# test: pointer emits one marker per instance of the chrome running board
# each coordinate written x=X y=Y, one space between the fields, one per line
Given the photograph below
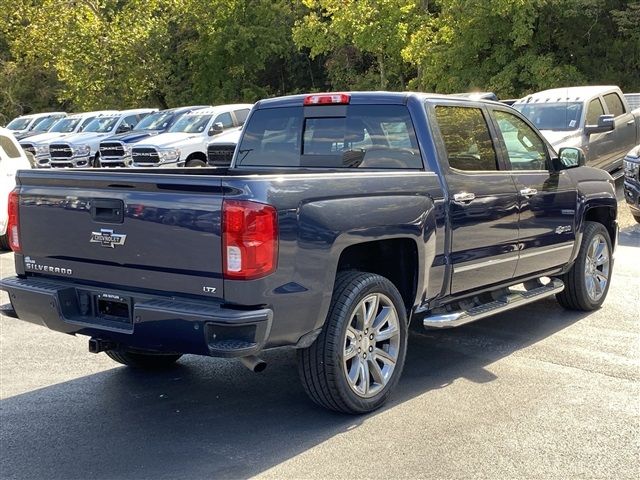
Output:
x=513 y=300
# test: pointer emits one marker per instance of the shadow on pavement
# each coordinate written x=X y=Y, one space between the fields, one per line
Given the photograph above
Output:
x=212 y=418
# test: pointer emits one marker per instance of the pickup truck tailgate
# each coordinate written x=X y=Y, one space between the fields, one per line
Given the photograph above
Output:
x=157 y=232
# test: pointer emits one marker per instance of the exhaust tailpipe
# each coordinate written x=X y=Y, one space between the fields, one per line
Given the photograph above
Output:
x=254 y=363
x=97 y=345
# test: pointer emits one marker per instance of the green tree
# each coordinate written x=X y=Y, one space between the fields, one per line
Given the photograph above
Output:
x=356 y=30
x=515 y=47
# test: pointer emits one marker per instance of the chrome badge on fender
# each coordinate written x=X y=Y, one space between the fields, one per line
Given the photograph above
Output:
x=107 y=238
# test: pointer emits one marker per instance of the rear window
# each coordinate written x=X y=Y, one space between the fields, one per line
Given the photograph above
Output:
x=353 y=136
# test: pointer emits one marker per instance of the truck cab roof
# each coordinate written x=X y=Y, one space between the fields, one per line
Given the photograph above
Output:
x=570 y=94
x=364 y=98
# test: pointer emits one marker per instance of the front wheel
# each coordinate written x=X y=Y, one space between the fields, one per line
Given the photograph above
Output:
x=357 y=359
x=587 y=283
x=196 y=163
x=143 y=361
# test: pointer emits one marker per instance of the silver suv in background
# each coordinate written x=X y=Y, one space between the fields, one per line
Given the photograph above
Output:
x=596 y=119
x=81 y=150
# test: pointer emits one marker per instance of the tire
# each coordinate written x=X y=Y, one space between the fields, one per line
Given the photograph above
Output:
x=196 y=163
x=4 y=242
x=585 y=279
x=323 y=369
x=143 y=361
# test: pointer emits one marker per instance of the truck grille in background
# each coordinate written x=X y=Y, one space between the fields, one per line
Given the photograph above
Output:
x=28 y=147
x=111 y=149
x=220 y=155
x=144 y=155
x=60 y=150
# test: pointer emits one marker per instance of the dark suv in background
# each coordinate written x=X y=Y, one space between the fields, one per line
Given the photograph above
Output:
x=632 y=181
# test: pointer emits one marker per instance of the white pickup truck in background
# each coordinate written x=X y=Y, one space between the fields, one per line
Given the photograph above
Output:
x=82 y=149
x=596 y=119
x=185 y=144
x=33 y=124
x=37 y=146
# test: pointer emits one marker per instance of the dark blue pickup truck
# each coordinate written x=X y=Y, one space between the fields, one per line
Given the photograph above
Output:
x=343 y=218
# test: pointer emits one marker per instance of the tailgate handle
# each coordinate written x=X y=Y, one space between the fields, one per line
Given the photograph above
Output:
x=107 y=210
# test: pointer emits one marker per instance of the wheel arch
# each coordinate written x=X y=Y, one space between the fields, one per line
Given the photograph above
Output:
x=197 y=156
x=396 y=259
x=605 y=215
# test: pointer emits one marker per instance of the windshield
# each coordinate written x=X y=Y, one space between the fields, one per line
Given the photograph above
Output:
x=191 y=124
x=552 y=116
x=45 y=124
x=358 y=136
x=155 y=121
x=66 y=125
x=102 y=124
x=19 y=123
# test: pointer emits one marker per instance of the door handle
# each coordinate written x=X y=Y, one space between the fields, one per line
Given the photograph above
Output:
x=631 y=122
x=464 y=197
x=528 y=192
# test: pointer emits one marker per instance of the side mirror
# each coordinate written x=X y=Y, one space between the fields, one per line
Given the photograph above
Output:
x=569 y=157
x=124 y=128
x=606 y=123
x=215 y=129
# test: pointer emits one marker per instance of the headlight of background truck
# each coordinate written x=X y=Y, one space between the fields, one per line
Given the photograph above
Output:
x=82 y=150
x=631 y=169
x=171 y=155
x=41 y=150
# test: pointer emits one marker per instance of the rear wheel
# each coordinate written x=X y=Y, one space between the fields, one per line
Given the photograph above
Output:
x=587 y=283
x=356 y=361
x=143 y=361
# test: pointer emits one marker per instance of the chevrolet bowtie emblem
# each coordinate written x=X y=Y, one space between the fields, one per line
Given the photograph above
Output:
x=107 y=238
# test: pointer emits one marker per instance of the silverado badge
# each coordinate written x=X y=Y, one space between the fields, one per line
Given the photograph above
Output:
x=107 y=238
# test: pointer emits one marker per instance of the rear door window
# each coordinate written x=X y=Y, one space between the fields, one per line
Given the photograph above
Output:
x=467 y=138
x=241 y=116
x=614 y=104
x=353 y=136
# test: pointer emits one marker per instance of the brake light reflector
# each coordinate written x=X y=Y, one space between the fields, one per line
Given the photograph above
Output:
x=249 y=239
x=13 y=224
x=328 y=99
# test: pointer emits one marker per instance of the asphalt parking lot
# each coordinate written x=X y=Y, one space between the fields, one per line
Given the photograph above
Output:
x=538 y=392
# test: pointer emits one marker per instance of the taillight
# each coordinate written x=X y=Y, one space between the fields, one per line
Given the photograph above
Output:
x=249 y=239
x=327 y=99
x=13 y=225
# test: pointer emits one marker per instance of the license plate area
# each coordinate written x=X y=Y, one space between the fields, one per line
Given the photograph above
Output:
x=112 y=308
